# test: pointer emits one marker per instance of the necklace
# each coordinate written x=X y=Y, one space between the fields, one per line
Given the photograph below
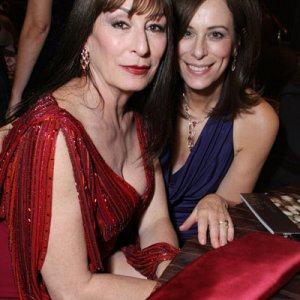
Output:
x=191 y=125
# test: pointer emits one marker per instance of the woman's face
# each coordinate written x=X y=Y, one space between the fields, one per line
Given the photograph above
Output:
x=207 y=45
x=125 y=52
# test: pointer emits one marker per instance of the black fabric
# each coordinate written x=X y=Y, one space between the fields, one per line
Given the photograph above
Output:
x=283 y=165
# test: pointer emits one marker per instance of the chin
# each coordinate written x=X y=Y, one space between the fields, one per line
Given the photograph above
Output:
x=135 y=86
x=198 y=86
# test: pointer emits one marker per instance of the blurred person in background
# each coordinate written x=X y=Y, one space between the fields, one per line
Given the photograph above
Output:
x=43 y=26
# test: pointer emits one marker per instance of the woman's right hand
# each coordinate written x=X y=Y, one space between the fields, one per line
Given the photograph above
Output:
x=212 y=215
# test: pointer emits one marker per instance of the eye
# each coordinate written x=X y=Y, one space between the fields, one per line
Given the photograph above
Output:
x=120 y=25
x=216 y=35
x=156 y=28
x=188 y=34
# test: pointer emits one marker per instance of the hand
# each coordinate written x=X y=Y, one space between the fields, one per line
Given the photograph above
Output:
x=211 y=213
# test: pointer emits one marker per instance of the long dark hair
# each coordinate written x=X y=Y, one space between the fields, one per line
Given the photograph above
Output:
x=235 y=97
x=153 y=103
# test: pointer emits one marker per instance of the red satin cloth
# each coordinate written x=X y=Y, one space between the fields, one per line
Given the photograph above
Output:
x=253 y=267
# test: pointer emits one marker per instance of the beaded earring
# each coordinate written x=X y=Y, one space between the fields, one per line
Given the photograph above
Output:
x=84 y=61
x=233 y=64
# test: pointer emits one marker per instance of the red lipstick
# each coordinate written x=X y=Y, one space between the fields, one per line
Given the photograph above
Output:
x=136 y=70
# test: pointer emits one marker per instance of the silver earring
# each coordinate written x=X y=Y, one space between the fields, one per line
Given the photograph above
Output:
x=233 y=64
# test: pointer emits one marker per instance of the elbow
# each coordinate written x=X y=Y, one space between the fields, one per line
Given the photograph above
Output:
x=36 y=30
x=42 y=28
x=61 y=293
x=70 y=290
x=64 y=294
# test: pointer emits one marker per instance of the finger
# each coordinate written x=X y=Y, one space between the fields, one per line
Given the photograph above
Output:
x=188 y=223
x=230 y=233
x=202 y=229
x=214 y=232
x=223 y=232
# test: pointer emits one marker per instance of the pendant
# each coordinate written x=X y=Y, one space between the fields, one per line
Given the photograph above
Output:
x=192 y=132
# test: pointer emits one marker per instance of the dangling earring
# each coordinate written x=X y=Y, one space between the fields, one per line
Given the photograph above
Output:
x=84 y=61
x=233 y=64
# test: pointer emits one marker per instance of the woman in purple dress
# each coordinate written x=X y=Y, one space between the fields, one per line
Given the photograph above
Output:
x=224 y=128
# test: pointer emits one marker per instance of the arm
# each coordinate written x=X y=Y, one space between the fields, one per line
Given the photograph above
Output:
x=65 y=270
x=155 y=227
x=33 y=35
x=254 y=134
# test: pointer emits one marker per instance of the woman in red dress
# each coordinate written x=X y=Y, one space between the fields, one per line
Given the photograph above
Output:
x=83 y=209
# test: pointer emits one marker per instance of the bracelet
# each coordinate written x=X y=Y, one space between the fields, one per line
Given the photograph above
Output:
x=147 y=260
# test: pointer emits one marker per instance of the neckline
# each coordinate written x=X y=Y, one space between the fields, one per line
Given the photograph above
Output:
x=192 y=153
x=98 y=154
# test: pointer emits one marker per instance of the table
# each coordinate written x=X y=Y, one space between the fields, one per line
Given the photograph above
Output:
x=245 y=222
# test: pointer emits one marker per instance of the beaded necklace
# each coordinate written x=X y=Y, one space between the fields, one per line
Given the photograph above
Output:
x=191 y=125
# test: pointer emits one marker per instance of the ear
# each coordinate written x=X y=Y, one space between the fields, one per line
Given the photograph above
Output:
x=88 y=42
x=86 y=45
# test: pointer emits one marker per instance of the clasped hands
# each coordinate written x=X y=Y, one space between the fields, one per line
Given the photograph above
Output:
x=212 y=215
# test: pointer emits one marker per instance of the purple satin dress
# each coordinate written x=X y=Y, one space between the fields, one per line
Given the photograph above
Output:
x=202 y=172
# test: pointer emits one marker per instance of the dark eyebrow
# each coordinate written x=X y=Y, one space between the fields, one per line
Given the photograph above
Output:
x=218 y=26
x=212 y=27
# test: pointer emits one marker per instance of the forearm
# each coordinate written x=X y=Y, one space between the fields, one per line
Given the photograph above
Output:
x=160 y=231
x=230 y=192
x=235 y=183
x=103 y=287
x=158 y=240
x=119 y=287
x=229 y=199
x=30 y=46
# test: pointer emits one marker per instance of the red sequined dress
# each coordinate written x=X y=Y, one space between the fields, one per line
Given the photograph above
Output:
x=110 y=206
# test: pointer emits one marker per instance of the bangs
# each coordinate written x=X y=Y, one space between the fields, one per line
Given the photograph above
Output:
x=153 y=8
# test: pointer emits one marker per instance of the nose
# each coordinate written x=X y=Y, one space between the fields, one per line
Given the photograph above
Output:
x=199 y=47
x=140 y=43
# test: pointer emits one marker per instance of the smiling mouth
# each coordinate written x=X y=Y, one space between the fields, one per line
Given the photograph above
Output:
x=197 y=69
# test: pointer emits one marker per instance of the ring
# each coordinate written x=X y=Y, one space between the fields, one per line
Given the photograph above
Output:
x=224 y=222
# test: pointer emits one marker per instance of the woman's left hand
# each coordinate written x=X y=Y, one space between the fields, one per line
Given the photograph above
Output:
x=211 y=214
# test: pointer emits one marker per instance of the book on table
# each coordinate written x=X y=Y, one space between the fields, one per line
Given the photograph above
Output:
x=278 y=212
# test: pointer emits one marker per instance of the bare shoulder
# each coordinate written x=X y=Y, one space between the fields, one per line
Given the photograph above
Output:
x=260 y=123
x=261 y=117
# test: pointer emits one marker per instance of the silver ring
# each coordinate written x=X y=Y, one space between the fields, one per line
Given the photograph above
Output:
x=224 y=222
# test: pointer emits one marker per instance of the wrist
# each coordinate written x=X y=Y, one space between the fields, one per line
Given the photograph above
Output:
x=216 y=197
x=15 y=98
